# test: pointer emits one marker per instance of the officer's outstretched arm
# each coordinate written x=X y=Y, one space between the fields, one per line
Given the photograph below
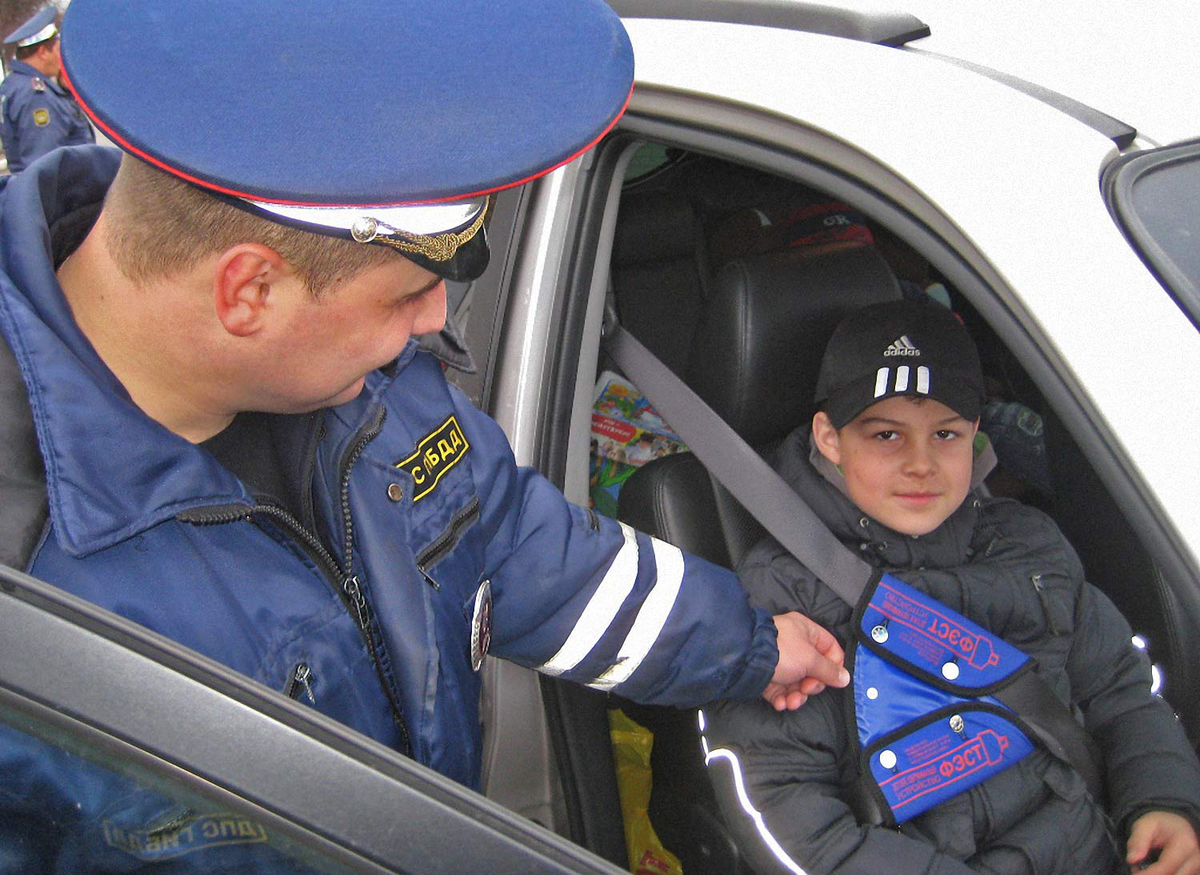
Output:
x=583 y=597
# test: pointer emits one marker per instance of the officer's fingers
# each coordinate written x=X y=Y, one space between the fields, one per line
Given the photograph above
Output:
x=799 y=658
x=823 y=640
x=772 y=692
x=829 y=672
x=792 y=700
x=811 y=686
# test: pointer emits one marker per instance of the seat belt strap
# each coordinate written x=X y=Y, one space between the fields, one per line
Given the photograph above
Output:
x=789 y=519
x=761 y=491
x=1053 y=723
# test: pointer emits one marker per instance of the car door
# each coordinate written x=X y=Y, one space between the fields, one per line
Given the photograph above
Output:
x=239 y=778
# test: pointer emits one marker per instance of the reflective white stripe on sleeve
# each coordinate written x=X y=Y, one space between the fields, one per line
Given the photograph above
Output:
x=599 y=613
x=739 y=784
x=651 y=618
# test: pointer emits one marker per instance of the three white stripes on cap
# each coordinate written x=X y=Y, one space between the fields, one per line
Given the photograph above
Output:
x=901 y=346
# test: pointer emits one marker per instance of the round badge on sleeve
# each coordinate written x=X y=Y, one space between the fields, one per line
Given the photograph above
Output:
x=481 y=624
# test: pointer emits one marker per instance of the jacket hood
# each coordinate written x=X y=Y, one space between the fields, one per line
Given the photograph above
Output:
x=111 y=471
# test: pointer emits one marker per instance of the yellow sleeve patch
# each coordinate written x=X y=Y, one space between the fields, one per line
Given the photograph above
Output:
x=41 y=117
x=436 y=454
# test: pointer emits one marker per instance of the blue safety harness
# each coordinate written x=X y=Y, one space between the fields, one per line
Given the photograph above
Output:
x=929 y=727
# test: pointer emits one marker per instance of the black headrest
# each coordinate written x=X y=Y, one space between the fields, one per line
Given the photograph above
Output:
x=655 y=226
x=763 y=332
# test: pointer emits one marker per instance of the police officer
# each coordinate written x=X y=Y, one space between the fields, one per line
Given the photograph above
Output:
x=36 y=113
x=248 y=446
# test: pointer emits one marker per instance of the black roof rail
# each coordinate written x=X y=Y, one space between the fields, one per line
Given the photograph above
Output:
x=881 y=27
x=1119 y=132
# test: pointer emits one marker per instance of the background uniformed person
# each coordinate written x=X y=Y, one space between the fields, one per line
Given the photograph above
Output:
x=36 y=113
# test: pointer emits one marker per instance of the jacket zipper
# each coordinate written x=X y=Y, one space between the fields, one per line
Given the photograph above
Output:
x=433 y=554
x=299 y=683
x=1041 y=591
x=345 y=581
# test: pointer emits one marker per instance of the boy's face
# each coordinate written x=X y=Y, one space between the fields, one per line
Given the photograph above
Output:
x=907 y=461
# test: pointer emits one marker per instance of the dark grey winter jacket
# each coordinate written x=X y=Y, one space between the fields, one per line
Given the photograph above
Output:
x=1008 y=568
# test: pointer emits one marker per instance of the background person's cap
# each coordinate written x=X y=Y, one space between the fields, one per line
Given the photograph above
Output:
x=341 y=118
x=37 y=29
x=904 y=347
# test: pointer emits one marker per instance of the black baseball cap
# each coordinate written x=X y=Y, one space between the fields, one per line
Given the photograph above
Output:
x=908 y=347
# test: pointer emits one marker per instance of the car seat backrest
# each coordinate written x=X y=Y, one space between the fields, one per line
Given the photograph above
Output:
x=658 y=272
x=763 y=332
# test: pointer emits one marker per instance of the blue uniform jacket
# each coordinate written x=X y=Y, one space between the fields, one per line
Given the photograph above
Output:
x=36 y=116
x=419 y=512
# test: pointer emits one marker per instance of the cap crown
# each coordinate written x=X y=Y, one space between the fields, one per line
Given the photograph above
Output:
x=375 y=102
x=900 y=348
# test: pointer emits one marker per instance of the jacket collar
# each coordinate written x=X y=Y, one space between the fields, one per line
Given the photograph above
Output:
x=25 y=69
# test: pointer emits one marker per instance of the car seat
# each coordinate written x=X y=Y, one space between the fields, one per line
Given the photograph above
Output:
x=659 y=272
x=754 y=359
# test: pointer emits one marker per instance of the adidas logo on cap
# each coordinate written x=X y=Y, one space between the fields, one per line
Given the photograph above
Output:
x=901 y=346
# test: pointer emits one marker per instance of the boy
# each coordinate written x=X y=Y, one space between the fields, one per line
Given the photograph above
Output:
x=889 y=464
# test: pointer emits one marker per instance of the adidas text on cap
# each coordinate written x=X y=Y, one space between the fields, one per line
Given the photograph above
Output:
x=387 y=122
x=900 y=348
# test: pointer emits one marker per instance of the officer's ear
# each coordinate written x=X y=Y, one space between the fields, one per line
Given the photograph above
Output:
x=825 y=437
x=243 y=280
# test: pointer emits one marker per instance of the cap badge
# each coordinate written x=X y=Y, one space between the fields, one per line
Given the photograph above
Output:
x=364 y=229
x=901 y=346
x=435 y=247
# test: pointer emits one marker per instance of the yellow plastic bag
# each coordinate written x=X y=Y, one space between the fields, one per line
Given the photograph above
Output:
x=632 y=744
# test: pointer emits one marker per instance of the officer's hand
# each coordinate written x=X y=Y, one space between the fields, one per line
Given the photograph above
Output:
x=809 y=660
x=1172 y=836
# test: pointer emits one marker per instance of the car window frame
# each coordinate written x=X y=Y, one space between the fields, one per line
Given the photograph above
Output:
x=791 y=149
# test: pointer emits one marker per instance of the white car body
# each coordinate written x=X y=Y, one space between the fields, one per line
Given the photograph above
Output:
x=1000 y=190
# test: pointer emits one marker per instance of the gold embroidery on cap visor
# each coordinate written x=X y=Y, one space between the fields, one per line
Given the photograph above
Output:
x=435 y=247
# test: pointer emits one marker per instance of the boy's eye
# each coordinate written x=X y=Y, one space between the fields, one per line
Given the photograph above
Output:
x=886 y=435
x=946 y=434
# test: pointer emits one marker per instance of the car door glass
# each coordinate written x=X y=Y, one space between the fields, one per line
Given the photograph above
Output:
x=68 y=806
x=1153 y=195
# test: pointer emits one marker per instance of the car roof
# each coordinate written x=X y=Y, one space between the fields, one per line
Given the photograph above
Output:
x=1123 y=58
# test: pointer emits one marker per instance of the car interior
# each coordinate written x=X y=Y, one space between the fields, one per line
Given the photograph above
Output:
x=735 y=277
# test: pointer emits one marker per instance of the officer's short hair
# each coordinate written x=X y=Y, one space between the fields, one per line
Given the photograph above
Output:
x=160 y=225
